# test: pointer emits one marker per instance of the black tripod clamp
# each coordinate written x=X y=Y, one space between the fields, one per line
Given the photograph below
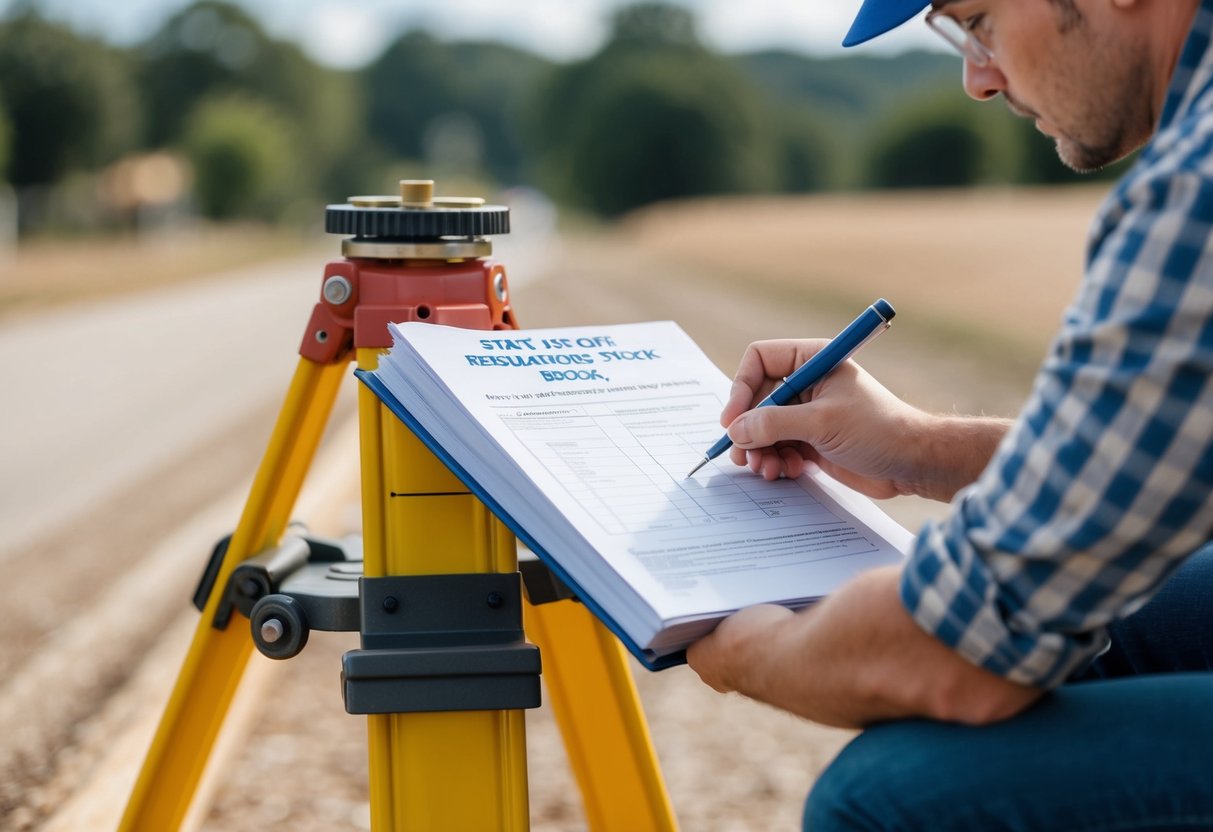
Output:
x=441 y=643
x=429 y=642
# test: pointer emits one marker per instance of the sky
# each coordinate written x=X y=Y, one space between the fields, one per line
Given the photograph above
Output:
x=350 y=33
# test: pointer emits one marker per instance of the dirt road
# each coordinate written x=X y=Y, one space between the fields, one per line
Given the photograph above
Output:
x=730 y=764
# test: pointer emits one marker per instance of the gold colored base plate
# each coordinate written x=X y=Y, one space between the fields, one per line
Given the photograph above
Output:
x=442 y=250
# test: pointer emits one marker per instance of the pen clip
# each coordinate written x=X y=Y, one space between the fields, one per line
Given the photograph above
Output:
x=871 y=335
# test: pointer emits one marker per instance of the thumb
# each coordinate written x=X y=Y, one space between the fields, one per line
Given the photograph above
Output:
x=764 y=426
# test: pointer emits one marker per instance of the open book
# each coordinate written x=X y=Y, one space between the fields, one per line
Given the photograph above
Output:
x=580 y=440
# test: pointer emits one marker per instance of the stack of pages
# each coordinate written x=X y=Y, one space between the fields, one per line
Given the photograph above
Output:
x=580 y=439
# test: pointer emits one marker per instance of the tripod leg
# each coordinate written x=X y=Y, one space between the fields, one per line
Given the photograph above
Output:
x=449 y=770
x=605 y=734
x=216 y=660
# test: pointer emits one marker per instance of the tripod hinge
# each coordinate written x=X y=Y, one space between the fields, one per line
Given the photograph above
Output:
x=288 y=567
x=441 y=643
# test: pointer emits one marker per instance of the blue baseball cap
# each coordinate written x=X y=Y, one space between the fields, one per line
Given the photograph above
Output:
x=879 y=16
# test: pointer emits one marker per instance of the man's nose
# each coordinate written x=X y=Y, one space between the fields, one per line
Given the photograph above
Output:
x=983 y=82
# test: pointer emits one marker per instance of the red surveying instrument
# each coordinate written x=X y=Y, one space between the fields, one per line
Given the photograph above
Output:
x=444 y=668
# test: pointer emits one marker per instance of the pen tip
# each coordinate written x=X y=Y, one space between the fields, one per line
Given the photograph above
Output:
x=697 y=467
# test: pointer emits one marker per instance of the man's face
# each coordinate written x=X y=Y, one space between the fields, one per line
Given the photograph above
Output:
x=1058 y=63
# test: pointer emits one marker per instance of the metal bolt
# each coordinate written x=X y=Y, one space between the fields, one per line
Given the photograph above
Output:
x=272 y=630
x=321 y=336
x=337 y=290
x=391 y=604
x=499 y=286
x=495 y=600
x=250 y=588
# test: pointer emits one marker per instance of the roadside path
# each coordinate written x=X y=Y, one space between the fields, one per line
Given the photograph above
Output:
x=100 y=394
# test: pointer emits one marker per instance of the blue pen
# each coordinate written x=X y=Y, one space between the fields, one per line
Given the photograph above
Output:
x=874 y=320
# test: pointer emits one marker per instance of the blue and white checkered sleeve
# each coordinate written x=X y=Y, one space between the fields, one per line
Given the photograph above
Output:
x=1105 y=484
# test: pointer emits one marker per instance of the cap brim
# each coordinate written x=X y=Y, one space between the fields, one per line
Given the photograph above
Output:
x=879 y=16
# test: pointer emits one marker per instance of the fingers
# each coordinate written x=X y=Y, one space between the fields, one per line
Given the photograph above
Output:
x=742 y=636
x=764 y=426
x=762 y=366
x=772 y=466
x=741 y=398
x=770 y=463
x=793 y=462
x=739 y=456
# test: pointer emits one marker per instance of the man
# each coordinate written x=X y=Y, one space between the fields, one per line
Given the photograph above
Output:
x=983 y=666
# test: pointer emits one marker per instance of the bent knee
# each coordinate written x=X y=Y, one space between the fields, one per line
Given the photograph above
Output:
x=892 y=776
x=851 y=794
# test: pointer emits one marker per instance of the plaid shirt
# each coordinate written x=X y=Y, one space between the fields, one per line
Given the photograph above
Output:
x=1105 y=484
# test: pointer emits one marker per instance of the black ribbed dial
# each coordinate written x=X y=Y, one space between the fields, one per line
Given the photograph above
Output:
x=416 y=223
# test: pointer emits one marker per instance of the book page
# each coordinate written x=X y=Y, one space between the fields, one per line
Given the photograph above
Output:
x=608 y=439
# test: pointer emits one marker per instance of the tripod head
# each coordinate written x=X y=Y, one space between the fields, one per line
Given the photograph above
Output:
x=416 y=225
x=412 y=257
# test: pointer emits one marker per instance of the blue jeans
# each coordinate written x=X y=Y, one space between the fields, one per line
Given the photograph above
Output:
x=1127 y=745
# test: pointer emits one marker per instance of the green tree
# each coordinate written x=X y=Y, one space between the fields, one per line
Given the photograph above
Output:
x=651 y=135
x=243 y=157
x=654 y=115
x=70 y=101
x=654 y=25
x=944 y=140
x=804 y=155
x=213 y=48
x=927 y=155
x=414 y=81
x=421 y=91
x=853 y=88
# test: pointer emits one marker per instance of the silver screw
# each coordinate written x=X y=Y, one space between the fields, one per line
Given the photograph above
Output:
x=337 y=290
x=321 y=336
x=272 y=630
x=499 y=286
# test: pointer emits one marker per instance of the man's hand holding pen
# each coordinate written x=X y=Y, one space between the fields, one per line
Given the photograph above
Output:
x=818 y=364
x=848 y=423
x=854 y=428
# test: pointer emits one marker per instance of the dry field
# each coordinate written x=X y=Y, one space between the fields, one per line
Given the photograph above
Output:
x=984 y=270
x=979 y=280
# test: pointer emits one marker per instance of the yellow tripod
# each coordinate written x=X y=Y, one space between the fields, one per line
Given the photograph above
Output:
x=444 y=670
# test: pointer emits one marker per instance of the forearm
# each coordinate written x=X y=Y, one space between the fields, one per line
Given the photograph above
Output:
x=854 y=659
x=950 y=452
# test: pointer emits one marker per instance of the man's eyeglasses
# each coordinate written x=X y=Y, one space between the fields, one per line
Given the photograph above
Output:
x=962 y=38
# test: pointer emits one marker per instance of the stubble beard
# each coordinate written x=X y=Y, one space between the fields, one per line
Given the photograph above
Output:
x=1085 y=158
x=1118 y=123
x=1112 y=115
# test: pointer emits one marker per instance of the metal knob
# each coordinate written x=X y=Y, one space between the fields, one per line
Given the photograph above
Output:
x=417 y=193
x=272 y=630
